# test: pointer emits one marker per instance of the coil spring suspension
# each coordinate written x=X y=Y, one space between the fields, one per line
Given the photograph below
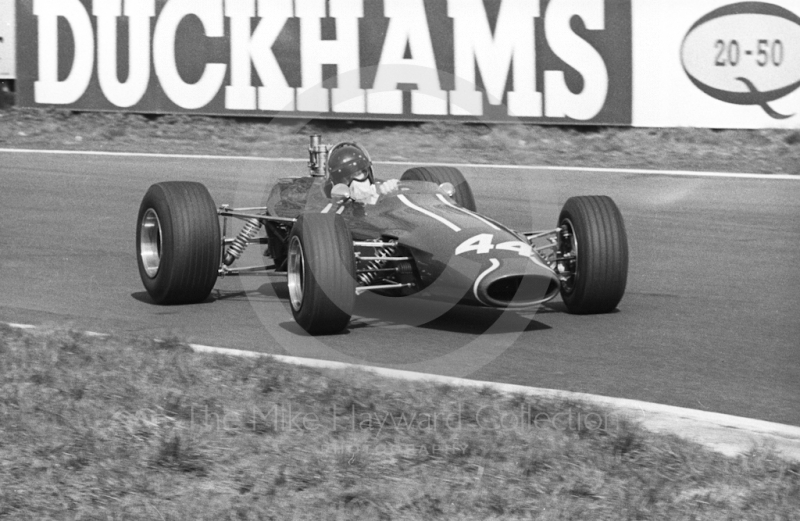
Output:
x=249 y=231
x=370 y=271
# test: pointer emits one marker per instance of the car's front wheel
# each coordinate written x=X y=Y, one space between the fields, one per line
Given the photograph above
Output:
x=178 y=242
x=321 y=273
x=592 y=254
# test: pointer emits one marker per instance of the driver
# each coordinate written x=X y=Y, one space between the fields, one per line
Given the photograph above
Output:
x=349 y=164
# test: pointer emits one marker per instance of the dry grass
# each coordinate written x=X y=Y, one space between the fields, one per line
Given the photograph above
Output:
x=118 y=428
x=765 y=151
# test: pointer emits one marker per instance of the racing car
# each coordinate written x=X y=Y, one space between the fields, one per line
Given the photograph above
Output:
x=420 y=235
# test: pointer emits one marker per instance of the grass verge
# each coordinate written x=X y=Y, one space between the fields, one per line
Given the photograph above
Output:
x=758 y=151
x=133 y=429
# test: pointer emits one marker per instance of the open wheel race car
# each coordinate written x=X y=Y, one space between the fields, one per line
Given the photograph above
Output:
x=422 y=238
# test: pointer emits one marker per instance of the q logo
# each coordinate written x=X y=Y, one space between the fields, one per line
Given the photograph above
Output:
x=746 y=53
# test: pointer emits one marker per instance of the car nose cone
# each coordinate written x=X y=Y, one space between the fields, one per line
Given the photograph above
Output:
x=516 y=283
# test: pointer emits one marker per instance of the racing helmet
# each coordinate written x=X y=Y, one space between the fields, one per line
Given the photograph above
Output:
x=348 y=162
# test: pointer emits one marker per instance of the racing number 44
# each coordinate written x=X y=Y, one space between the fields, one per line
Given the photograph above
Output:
x=482 y=243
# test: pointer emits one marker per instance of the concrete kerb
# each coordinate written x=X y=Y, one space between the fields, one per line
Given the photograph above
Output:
x=730 y=435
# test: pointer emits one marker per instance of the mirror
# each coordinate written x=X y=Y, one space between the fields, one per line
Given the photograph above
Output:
x=448 y=189
x=340 y=192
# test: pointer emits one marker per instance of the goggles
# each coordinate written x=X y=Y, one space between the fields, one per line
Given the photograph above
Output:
x=362 y=175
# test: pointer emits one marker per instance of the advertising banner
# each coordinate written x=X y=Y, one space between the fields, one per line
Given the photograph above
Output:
x=548 y=61
x=7 y=36
x=716 y=63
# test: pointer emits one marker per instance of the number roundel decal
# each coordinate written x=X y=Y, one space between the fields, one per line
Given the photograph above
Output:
x=482 y=243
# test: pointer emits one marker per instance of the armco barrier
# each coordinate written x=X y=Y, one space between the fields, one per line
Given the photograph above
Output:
x=705 y=63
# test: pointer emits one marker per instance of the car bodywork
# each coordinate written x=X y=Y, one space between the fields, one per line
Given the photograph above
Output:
x=426 y=243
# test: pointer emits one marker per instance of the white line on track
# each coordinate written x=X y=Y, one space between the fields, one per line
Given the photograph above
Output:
x=148 y=154
x=624 y=171
x=21 y=326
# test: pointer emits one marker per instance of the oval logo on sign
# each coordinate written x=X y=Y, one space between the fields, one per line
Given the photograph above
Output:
x=746 y=53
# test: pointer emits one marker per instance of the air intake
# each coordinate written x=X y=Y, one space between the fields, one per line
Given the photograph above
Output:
x=521 y=290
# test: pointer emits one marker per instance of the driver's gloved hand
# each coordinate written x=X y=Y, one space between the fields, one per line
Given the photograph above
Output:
x=363 y=192
x=388 y=186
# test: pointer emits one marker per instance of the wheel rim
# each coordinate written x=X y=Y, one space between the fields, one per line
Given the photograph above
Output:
x=567 y=266
x=296 y=272
x=150 y=243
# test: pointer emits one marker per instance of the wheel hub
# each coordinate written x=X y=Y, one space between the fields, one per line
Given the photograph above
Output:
x=150 y=243
x=296 y=273
x=567 y=265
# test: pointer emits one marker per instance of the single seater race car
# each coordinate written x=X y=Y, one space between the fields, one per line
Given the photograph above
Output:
x=423 y=237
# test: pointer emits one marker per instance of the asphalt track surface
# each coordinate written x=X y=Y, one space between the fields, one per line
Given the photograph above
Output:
x=709 y=320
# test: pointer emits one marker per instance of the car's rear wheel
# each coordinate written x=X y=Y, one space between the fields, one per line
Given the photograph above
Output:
x=321 y=273
x=593 y=254
x=178 y=242
x=444 y=174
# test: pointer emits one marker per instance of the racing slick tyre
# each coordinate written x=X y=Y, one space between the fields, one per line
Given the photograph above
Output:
x=321 y=273
x=444 y=174
x=178 y=242
x=592 y=237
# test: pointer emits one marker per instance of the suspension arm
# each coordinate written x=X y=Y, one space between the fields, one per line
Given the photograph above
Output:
x=539 y=234
x=261 y=217
x=224 y=270
x=374 y=244
x=378 y=270
x=364 y=289
x=388 y=259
